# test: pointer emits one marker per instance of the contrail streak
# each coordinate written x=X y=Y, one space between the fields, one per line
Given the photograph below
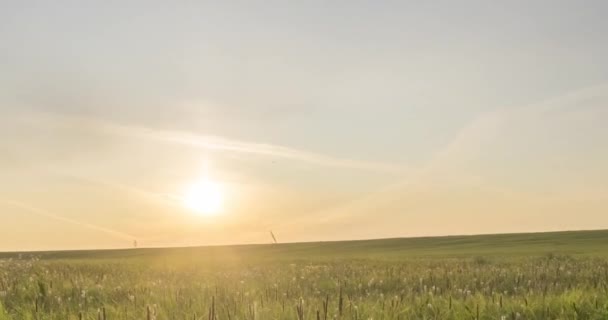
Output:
x=44 y=213
x=467 y=144
x=218 y=143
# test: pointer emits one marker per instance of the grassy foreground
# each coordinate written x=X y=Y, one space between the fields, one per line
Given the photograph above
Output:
x=561 y=275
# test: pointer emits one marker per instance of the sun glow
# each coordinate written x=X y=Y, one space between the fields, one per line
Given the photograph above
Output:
x=206 y=197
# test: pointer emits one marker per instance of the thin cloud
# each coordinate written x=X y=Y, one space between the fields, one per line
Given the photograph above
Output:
x=466 y=145
x=223 y=144
x=218 y=143
x=43 y=213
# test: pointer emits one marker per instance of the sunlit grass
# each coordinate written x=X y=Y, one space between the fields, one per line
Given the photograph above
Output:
x=270 y=284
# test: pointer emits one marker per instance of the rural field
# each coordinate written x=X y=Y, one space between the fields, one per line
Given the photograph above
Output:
x=138 y=136
x=562 y=275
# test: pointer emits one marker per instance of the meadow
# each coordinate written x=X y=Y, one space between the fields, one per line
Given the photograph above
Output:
x=560 y=275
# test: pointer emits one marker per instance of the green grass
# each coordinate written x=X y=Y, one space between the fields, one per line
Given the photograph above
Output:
x=561 y=275
x=524 y=244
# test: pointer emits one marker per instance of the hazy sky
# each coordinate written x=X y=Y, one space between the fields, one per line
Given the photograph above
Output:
x=322 y=120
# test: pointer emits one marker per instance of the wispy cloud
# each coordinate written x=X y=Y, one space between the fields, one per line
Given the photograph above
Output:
x=466 y=145
x=218 y=143
x=46 y=214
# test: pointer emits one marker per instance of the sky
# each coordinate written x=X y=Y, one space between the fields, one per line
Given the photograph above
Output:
x=319 y=120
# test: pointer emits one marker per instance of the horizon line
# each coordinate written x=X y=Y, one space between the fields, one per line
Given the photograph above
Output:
x=303 y=242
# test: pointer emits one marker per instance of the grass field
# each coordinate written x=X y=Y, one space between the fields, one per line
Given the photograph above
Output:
x=561 y=275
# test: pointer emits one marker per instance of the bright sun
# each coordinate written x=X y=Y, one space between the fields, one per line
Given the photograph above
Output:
x=204 y=197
